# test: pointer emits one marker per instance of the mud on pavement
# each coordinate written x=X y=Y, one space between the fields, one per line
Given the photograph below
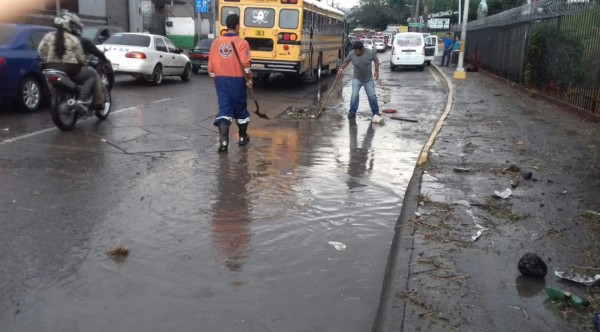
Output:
x=462 y=244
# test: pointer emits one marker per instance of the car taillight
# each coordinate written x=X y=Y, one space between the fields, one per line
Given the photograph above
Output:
x=52 y=78
x=287 y=36
x=2 y=61
x=135 y=55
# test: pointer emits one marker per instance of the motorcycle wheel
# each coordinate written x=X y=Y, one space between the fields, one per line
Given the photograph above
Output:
x=103 y=114
x=63 y=115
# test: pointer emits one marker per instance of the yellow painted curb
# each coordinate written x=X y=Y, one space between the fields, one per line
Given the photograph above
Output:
x=438 y=126
x=460 y=75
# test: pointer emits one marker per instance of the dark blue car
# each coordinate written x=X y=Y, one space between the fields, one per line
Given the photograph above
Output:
x=21 y=78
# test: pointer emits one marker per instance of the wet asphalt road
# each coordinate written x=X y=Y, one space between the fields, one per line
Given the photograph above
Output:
x=218 y=243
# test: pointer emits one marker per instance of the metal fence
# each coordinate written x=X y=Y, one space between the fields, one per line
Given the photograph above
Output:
x=551 y=46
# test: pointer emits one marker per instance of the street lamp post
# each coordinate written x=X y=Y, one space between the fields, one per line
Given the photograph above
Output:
x=460 y=72
x=57 y=7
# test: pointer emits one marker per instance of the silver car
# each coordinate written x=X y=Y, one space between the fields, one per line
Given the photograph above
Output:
x=369 y=44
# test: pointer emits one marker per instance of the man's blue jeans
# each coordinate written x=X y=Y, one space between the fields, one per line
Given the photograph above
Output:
x=369 y=89
x=446 y=56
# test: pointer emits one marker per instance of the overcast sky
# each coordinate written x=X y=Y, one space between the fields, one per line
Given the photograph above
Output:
x=347 y=3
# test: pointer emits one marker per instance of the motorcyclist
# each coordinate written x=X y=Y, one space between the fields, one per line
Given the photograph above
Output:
x=62 y=50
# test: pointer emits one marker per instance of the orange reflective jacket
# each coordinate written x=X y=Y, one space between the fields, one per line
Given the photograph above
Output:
x=222 y=60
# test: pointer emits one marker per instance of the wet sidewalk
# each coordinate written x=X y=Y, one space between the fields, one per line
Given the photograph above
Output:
x=454 y=259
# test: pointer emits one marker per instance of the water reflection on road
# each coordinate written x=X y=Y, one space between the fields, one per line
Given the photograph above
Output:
x=239 y=242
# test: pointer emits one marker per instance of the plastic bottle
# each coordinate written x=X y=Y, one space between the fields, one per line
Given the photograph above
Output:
x=559 y=295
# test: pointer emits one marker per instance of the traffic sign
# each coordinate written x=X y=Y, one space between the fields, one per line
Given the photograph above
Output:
x=416 y=24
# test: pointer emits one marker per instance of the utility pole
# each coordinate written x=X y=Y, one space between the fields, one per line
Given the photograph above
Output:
x=460 y=72
x=459 y=12
x=213 y=15
x=416 y=17
x=57 y=7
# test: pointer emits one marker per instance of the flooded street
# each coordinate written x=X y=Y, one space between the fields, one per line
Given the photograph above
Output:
x=244 y=241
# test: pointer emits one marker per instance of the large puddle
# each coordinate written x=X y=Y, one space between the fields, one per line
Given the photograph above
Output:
x=241 y=242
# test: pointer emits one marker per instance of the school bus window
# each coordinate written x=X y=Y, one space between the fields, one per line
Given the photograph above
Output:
x=226 y=11
x=288 y=19
x=259 y=17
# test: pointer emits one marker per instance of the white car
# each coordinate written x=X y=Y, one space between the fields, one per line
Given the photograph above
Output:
x=369 y=44
x=379 y=45
x=146 y=56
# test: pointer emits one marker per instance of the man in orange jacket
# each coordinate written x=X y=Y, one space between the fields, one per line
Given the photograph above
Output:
x=231 y=81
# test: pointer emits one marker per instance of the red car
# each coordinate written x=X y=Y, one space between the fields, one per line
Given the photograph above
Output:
x=199 y=55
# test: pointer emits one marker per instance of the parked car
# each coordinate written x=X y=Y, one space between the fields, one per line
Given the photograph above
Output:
x=148 y=56
x=368 y=43
x=199 y=55
x=431 y=49
x=408 y=50
x=379 y=45
x=21 y=78
x=98 y=34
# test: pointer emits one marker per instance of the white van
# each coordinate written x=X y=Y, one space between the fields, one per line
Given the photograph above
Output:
x=432 y=49
x=408 y=50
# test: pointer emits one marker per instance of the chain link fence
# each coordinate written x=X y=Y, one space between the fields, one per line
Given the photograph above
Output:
x=551 y=46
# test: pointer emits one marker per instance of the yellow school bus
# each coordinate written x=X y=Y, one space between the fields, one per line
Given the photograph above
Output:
x=296 y=37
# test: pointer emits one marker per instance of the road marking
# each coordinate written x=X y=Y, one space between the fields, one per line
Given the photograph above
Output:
x=47 y=130
x=438 y=126
x=437 y=80
x=161 y=100
x=14 y=139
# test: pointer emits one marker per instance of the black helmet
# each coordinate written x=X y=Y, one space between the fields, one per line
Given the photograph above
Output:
x=69 y=22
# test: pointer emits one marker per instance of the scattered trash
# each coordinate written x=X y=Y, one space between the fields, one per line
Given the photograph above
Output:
x=566 y=297
x=597 y=321
x=338 y=245
x=35 y=193
x=577 y=277
x=403 y=119
x=461 y=169
x=103 y=139
x=477 y=235
x=513 y=168
x=531 y=265
x=118 y=253
x=527 y=175
x=389 y=111
x=515 y=183
x=295 y=112
x=418 y=214
x=5 y=129
x=497 y=95
x=565 y=192
x=518 y=308
x=480 y=228
x=504 y=194
x=377 y=118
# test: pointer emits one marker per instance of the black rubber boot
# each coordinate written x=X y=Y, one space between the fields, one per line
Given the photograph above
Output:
x=244 y=138
x=223 y=136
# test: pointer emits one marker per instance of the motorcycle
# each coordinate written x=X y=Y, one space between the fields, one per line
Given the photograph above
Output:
x=64 y=108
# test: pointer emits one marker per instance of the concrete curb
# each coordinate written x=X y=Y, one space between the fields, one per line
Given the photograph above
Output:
x=390 y=314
